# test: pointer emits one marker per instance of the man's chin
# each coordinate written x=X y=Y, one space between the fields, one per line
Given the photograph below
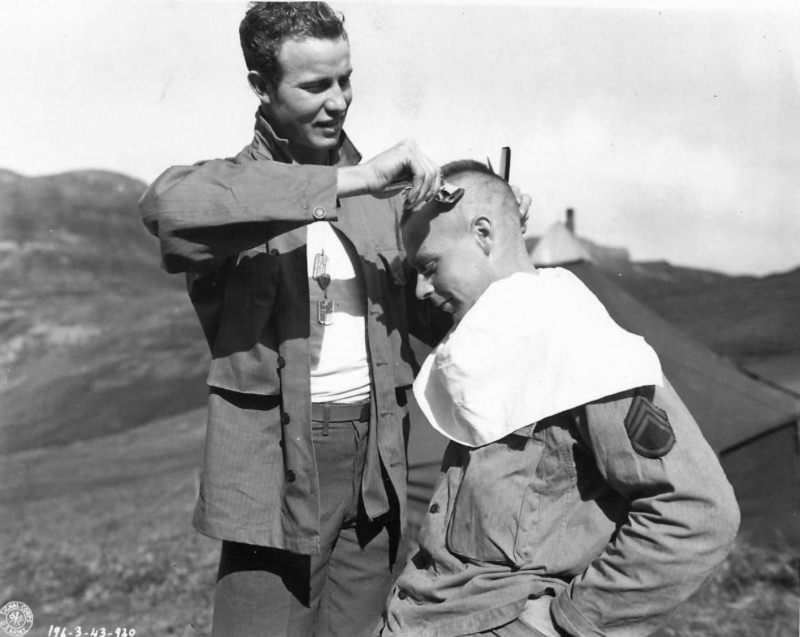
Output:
x=326 y=140
x=453 y=310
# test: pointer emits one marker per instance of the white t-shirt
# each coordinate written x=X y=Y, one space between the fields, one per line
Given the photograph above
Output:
x=339 y=361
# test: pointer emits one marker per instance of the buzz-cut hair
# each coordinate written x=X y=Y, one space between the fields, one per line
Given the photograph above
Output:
x=454 y=169
x=267 y=24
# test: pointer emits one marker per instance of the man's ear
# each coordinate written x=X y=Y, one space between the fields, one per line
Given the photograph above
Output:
x=261 y=86
x=483 y=233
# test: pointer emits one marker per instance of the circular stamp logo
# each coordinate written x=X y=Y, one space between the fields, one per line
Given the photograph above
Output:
x=16 y=618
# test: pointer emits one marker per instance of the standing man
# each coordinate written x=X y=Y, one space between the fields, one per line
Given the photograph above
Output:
x=295 y=271
x=578 y=496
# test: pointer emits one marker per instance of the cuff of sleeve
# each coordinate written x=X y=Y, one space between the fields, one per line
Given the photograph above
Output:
x=321 y=193
x=569 y=619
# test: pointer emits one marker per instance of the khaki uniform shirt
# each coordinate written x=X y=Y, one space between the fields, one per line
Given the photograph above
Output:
x=600 y=509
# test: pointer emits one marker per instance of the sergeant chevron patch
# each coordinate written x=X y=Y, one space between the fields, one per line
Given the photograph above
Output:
x=648 y=429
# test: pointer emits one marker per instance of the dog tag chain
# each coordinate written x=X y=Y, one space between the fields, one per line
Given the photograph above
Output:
x=323 y=279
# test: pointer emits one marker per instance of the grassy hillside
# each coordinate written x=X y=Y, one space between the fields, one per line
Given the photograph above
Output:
x=98 y=533
x=94 y=336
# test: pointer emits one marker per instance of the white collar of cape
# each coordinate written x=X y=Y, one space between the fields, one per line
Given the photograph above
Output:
x=533 y=345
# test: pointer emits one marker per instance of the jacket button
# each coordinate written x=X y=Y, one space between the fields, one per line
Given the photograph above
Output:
x=402 y=594
x=290 y=476
x=274 y=252
x=281 y=362
x=285 y=419
x=319 y=212
x=434 y=508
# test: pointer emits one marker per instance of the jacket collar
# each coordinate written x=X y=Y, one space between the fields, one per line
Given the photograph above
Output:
x=268 y=145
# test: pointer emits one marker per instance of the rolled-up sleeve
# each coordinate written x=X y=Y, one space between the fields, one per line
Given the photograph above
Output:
x=206 y=212
x=681 y=522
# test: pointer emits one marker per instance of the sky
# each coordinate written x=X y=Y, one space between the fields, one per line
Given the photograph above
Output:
x=671 y=128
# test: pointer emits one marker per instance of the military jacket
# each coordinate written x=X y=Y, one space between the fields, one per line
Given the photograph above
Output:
x=237 y=228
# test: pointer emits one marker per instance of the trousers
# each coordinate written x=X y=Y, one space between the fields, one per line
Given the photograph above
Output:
x=267 y=592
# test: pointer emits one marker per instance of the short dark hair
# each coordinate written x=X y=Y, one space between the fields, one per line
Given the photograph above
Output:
x=267 y=24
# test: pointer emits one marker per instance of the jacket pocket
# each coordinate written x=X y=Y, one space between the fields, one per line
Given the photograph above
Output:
x=250 y=288
x=487 y=513
x=243 y=469
x=245 y=348
x=547 y=509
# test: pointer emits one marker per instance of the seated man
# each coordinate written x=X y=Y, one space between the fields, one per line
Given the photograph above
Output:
x=578 y=495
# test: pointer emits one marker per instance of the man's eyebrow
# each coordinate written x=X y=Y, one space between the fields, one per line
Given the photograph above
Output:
x=321 y=79
x=419 y=262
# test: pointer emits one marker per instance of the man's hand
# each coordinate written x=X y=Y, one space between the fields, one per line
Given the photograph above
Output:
x=524 y=201
x=404 y=165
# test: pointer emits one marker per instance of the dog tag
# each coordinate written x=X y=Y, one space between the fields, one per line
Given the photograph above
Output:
x=325 y=311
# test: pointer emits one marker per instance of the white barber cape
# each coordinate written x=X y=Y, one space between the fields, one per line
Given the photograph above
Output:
x=533 y=345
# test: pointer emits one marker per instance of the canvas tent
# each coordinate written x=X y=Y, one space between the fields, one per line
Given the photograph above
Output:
x=752 y=426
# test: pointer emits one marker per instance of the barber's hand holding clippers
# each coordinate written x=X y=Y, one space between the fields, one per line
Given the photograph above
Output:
x=402 y=167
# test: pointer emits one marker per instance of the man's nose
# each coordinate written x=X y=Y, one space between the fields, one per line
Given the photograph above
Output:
x=337 y=100
x=424 y=288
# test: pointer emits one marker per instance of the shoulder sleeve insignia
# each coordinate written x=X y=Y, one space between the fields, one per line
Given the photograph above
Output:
x=648 y=428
